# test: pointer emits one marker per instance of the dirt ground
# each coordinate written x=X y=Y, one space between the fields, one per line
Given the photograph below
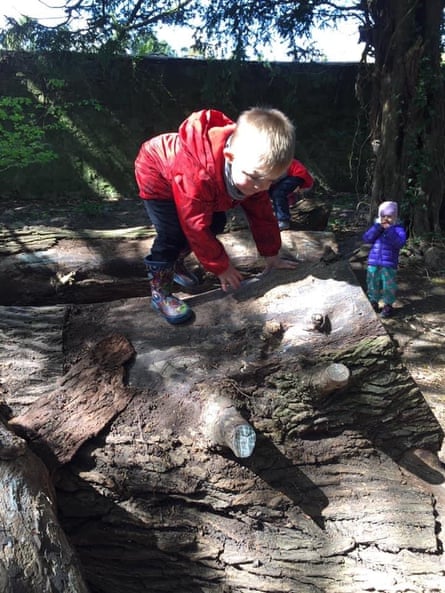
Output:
x=418 y=326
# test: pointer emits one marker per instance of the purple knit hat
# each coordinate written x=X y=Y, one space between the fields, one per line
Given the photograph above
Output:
x=389 y=209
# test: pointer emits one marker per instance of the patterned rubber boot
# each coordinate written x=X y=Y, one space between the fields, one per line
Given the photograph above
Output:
x=161 y=281
x=182 y=274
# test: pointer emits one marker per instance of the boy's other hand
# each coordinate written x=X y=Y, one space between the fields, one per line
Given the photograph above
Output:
x=231 y=279
x=279 y=263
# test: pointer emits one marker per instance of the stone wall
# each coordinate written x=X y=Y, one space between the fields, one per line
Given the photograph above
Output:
x=96 y=111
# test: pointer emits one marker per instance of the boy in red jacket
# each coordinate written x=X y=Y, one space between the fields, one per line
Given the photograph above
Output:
x=190 y=178
x=297 y=178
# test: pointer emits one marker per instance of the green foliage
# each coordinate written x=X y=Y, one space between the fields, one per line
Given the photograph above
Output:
x=240 y=26
x=146 y=45
x=29 y=35
x=111 y=26
x=221 y=28
x=97 y=112
x=30 y=124
x=22 y=134
x=55 y=83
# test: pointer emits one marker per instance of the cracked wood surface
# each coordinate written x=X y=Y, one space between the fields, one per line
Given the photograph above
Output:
x=82 y=267
x=342 y=494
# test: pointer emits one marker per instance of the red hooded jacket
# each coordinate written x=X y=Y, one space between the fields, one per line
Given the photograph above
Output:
x=188 y=167
x=297 y=169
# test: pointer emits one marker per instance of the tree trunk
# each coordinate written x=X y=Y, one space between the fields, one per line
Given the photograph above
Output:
x=407 y=113
x=340 y=490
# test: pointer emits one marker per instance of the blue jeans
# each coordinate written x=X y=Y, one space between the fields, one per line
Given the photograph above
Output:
x=279 y=193
x=170 y=239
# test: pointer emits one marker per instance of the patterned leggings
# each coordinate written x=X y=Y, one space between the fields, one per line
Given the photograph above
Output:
x=381 y=284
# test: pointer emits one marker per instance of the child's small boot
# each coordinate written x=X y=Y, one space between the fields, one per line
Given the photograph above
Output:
x=171 y=308
x=387 y=311
x=182 y=274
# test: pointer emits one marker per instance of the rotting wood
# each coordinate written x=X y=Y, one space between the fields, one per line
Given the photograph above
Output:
x=91 y=269
x=37 y=238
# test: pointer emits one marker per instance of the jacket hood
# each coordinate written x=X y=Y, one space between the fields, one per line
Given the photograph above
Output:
x=197 y=131
x=388 y=209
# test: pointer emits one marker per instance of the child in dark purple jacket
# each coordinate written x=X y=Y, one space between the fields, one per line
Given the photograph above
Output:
x=386 y=237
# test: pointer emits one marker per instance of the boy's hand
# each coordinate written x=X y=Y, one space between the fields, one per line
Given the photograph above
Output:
x=230 y=278
x=278 y=263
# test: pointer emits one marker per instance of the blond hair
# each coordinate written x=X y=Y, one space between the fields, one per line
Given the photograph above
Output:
x=266 y=130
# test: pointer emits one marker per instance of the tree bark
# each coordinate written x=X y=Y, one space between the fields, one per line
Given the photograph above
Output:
x=87 y=398
x=35 y=556
x=341 y=492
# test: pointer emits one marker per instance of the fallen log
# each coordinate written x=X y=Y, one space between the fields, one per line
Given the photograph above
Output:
x=28 y=239
x=334 y=496
x=90 y=268
x=36 y=556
